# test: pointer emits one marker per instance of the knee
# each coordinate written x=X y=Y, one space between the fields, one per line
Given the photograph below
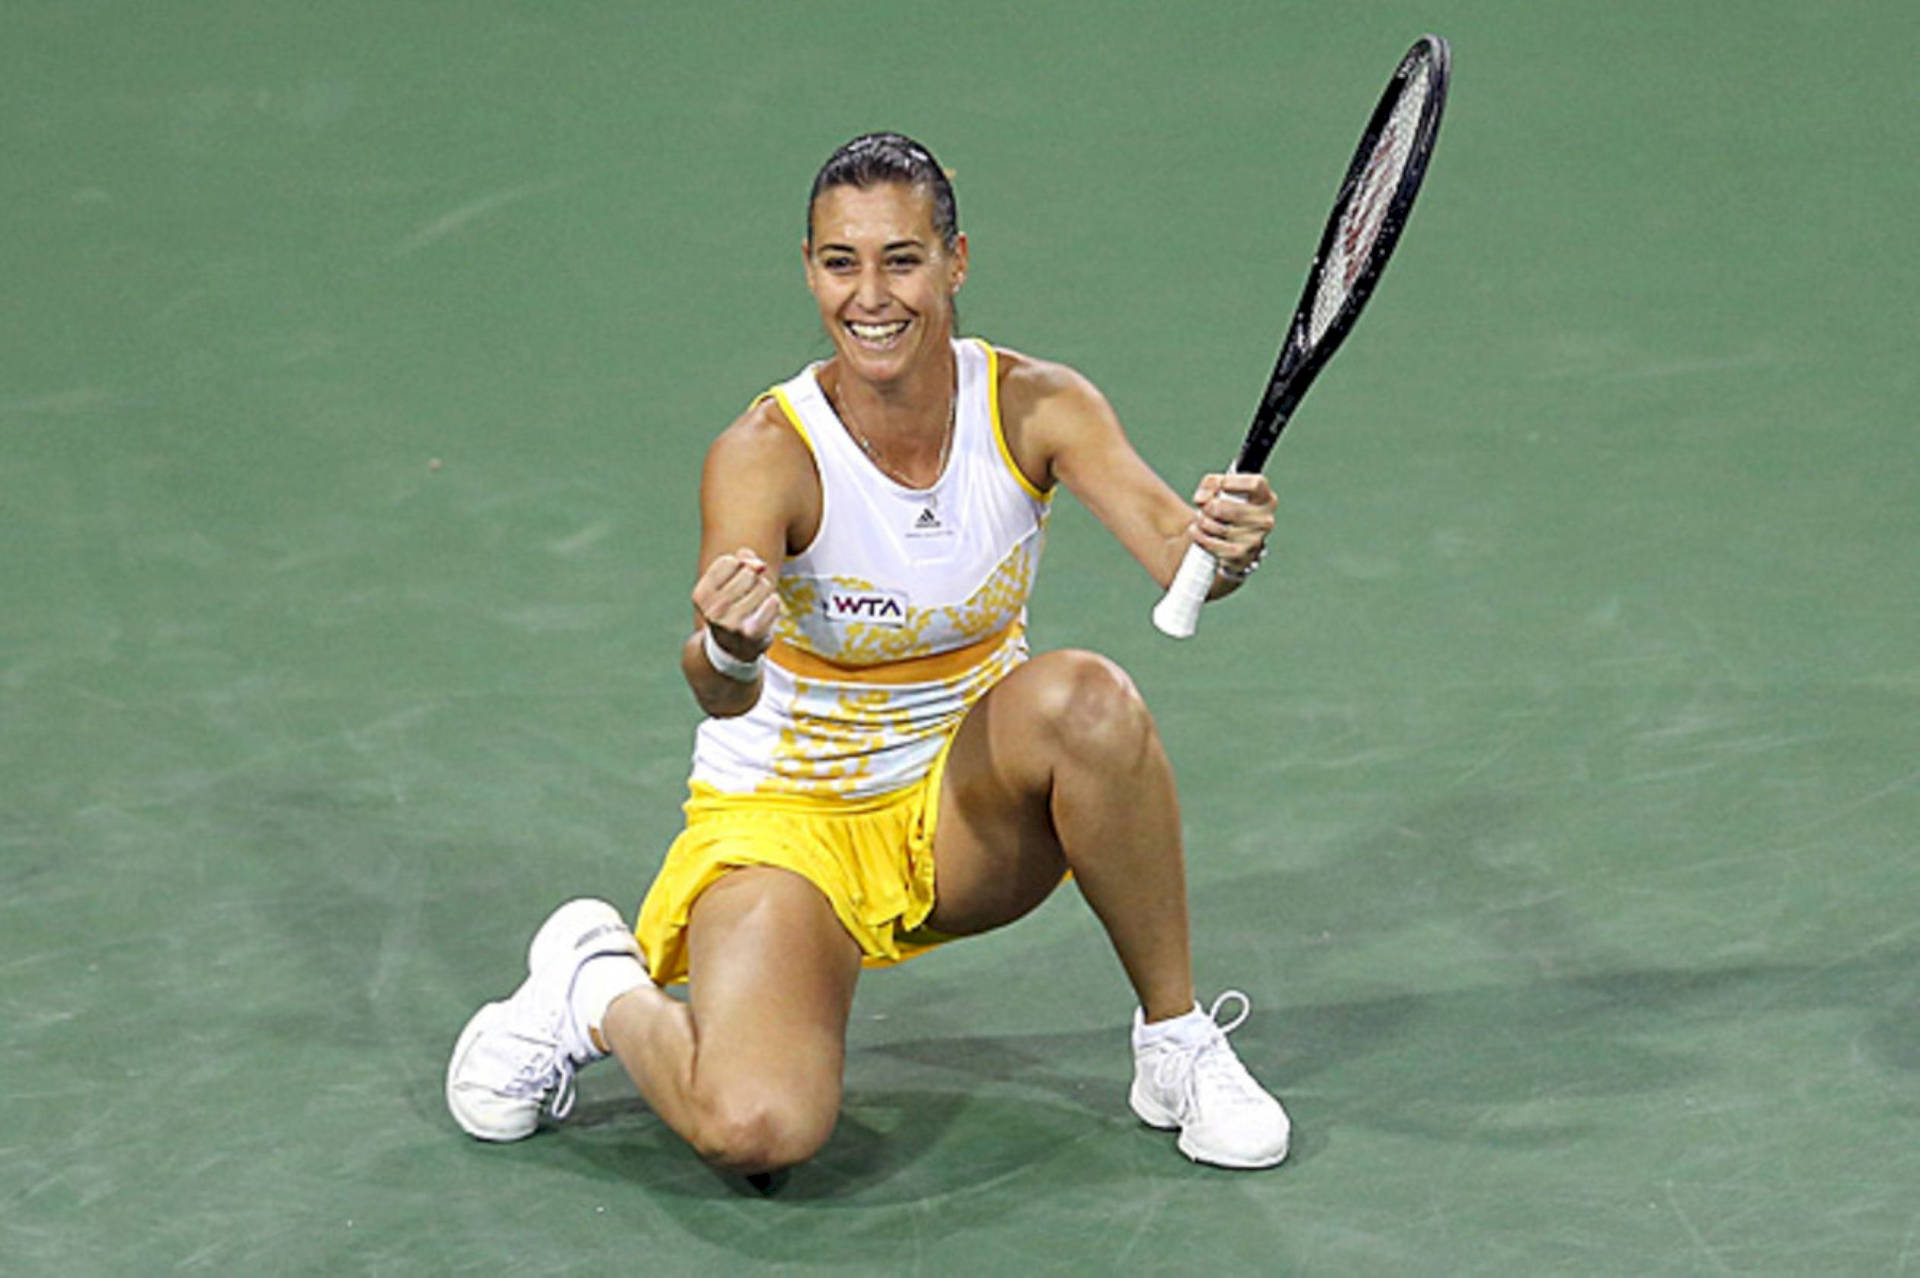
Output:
x=1091 y=707
x=756 y=1134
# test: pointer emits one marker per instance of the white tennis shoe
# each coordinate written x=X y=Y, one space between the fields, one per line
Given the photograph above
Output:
x=519 y=1055
x=1187 y=1078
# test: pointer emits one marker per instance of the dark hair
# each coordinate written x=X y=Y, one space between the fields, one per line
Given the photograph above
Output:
x=874 y=158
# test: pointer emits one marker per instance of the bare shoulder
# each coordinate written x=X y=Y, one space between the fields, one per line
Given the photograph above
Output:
x=761 y=436
x=1047 y=409
x=1058 y=425
x=760 y=470
x=1029 y=384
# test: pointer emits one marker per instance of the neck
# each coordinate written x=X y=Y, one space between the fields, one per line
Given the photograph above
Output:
x=914 y=407
x=907 y=437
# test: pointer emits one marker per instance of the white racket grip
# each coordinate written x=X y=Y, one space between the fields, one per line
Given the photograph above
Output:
x=1178 y=611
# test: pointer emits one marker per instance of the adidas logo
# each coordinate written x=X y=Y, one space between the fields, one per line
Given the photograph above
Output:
x=929 y=525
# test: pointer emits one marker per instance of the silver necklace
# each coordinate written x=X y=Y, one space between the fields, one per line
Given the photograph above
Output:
x=873 y=454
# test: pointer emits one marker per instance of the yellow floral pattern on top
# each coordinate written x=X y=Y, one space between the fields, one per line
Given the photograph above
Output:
x=909 y=605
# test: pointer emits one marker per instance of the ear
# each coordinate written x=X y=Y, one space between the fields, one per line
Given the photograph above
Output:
x=959 y=263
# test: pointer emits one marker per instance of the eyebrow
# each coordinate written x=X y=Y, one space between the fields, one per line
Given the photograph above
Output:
x=888 y=247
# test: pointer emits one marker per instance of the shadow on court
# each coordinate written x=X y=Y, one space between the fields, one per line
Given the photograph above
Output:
x=964 y=1126
x=1456 y=994
x=1478 y=1049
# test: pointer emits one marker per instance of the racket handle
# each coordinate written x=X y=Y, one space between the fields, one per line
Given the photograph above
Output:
x=1178 y=611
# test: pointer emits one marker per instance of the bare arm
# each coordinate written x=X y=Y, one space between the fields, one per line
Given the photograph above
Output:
x=759 y=498
x=1060 y=427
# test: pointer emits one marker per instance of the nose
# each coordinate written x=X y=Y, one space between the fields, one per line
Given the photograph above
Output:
x=872 y=292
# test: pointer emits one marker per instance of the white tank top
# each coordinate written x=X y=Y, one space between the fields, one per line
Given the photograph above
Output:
x=908 y=605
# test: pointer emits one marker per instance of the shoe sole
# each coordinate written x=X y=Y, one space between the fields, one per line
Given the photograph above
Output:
x=1232 y=1164
x=1160 y=1120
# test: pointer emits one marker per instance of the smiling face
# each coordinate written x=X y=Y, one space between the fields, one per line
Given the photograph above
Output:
x=884 y=278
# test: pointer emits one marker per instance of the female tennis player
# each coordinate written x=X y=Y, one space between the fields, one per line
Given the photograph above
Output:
x=882 y=768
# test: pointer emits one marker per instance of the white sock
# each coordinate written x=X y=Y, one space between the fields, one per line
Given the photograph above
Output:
x=1184 y=1030
x=600 y=980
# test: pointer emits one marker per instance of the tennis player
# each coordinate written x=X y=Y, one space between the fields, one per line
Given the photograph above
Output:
x=882 y=767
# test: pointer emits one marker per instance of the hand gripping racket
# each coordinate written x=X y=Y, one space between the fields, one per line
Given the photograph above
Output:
x=1365 y=224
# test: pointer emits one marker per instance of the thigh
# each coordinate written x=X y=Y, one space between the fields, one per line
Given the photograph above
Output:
x=996 y=853
x=771 y=976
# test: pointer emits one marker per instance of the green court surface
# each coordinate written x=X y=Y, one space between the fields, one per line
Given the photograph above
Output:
x=1552 y=793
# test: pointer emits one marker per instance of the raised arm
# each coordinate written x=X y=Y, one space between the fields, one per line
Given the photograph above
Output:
x=1061 y=428
x=759 y=501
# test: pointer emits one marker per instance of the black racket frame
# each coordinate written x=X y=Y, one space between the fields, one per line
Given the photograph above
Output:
x=1300 y=361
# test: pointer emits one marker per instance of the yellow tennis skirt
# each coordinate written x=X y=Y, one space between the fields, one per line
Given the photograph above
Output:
x=871 y=858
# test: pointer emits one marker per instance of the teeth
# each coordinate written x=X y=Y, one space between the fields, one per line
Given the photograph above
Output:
x=877 y=332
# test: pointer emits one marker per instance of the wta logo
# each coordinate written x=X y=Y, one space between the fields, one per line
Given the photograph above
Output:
x=871 y=607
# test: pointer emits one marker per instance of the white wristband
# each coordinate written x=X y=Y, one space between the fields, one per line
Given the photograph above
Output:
x=724 y=662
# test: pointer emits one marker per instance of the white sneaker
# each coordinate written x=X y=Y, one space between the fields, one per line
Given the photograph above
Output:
x=520 y=1054
x=1187 y=1077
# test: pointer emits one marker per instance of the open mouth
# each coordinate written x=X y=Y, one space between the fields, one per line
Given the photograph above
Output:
x=877 y=335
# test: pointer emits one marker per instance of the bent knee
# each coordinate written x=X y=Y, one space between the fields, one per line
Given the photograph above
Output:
x=757 y=1135
x=1089 y=703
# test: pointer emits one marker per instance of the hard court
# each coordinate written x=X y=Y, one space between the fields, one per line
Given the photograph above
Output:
x=1552 y=792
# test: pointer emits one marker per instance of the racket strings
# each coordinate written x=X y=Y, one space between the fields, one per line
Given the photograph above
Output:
x=1366 y=211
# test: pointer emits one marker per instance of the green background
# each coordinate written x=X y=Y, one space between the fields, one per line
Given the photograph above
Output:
x=1552 y=793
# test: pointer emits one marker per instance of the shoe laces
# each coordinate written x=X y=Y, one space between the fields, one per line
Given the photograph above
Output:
x=1246 y=1010
x=547 y=1071
x=565 y=1091
x=1210 y=1064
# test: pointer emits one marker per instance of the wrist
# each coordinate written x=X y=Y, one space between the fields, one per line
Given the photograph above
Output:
x=725 y=663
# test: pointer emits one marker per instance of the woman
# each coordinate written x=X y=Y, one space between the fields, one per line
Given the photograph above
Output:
x=881 y=768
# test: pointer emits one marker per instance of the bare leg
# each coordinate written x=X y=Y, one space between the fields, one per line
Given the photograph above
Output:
x=749 y=1070
x=1060 y=767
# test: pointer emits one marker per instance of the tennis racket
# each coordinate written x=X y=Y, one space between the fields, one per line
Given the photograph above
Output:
x=1365 y=224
